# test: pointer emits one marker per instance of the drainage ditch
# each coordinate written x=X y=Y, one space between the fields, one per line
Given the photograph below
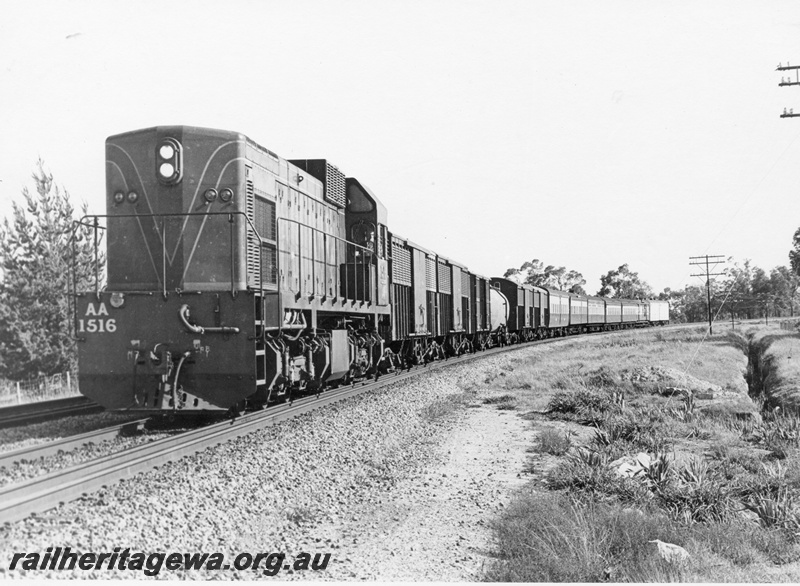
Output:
x=762 y=375
x=754 y=375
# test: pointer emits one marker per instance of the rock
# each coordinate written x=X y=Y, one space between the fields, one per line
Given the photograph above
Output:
x=631 y=466
x=670 y=552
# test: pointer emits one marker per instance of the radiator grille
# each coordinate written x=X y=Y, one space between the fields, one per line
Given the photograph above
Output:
x=269 y=264
x=265 y=218
x=253 y=273
x=335 y=191
x=445 y=278
x=401 y=264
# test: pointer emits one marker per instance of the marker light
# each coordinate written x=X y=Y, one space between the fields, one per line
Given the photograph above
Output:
x=226 y=194
x=210 y=195
x=133 y=197
x=117 y=300
x=119 y=197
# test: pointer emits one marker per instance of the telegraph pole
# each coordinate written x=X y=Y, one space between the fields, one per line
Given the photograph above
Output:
x=707 y=261
x=788 y=81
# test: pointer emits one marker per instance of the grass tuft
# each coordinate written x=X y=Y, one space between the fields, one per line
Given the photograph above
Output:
x=503 y=402
x=554 y=539
x=735 y=508
x=552 y=441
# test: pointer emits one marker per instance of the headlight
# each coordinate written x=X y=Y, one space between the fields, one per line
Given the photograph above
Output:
x=167 y=170
x=133 y=197
x=210 y=195
x=226 y=194
x=166 y=151
x=169 y=156
x=119 y=197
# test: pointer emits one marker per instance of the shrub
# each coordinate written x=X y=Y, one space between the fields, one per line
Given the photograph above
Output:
x=549 y=538
x=587 y=475
x=581 y=476
x=779 y=545
x=731 y=541
x=581 y=402
x=659 y=470
x=551 y=441
x=643 y=431
x=772 y=499
x=739 y=410
x=589 y=457
x=603 y=378
x=696 y=495
x=445 y=406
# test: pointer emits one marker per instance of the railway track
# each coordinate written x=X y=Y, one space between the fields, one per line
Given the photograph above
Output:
x=47 y=491
x=46 y=410
x=39 y=494
x=36 y=452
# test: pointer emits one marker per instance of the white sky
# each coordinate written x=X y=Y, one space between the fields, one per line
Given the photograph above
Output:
x=584 y=133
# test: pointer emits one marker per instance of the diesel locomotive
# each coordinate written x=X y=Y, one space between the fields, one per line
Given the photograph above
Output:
x=235 y=276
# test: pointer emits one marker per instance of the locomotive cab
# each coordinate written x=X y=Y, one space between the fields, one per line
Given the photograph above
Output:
x=365 y=223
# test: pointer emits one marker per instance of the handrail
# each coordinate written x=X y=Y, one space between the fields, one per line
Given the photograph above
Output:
x=230 y=215
x=92 y=221
x=84 y=221
x=183 y=312
x=366 y=252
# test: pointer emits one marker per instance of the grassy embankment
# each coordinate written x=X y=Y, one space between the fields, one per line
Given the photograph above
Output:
x=718 y=470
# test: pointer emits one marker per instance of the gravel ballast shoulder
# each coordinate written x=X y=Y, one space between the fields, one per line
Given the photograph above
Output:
x=23 y=470
x=14 y=438
x=393 y=483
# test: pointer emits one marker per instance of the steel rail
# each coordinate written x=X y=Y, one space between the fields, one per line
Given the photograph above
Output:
x=45 y=492
x=35 y=452
x=46 y=410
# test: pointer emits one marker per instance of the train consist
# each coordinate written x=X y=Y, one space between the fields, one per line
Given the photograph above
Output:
x=235 y=276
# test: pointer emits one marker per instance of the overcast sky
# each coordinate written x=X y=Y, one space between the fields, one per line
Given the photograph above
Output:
x=583 y=133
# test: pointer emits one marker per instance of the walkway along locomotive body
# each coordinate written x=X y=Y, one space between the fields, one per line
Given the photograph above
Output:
x=235 y=275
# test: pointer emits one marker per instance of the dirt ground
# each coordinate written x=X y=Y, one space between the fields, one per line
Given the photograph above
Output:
x=437 y=526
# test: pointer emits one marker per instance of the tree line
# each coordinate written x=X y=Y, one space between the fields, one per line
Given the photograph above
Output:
x=619 y=283
x=744 y=291
x=36 y=260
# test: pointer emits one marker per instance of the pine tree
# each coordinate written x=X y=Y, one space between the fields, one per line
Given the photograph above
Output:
x=36 y=259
